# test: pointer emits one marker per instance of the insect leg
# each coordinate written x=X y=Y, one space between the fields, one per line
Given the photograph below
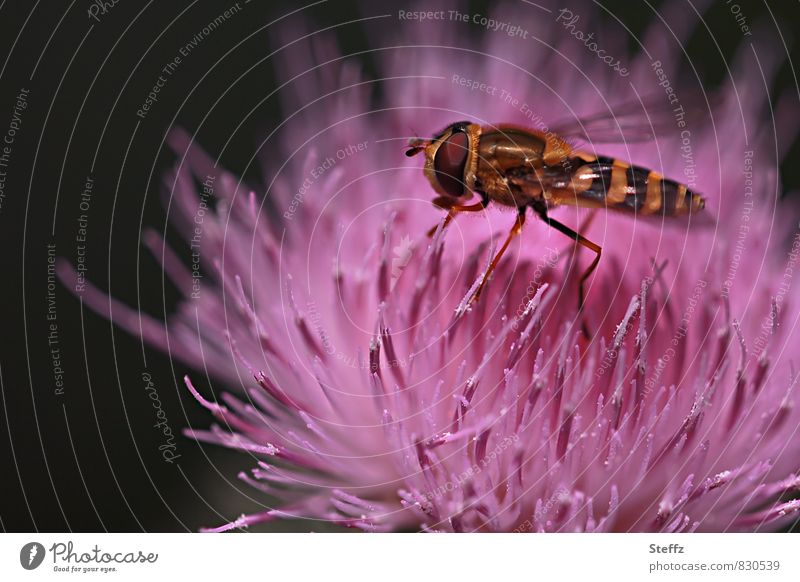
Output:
x=453 y=209
x=583 y=241
x=515 y=230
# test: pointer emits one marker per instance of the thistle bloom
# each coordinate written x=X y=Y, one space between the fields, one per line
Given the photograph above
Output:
x=370 y=394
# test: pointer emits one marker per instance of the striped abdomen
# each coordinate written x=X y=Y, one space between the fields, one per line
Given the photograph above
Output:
x=609 y=183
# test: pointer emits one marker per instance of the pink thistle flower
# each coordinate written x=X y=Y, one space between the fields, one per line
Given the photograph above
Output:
x=369 y=394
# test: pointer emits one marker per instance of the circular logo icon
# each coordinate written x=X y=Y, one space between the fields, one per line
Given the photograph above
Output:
x=31 y=555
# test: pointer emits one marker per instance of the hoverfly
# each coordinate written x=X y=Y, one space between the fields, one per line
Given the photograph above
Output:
x=525 y=168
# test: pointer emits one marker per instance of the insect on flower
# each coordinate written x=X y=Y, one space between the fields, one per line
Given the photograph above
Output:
x=525 y=168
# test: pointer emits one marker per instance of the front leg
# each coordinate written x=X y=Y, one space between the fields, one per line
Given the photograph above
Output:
x=452 y=208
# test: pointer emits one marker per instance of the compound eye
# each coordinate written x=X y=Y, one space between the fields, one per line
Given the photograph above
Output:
x=449 y=163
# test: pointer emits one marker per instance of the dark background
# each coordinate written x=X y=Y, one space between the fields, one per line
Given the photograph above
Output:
x=88 y=460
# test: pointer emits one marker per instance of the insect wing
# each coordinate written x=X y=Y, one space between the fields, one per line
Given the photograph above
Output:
x=637 y=121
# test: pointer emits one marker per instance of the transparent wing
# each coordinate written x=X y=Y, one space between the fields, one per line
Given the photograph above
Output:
x=639 y=120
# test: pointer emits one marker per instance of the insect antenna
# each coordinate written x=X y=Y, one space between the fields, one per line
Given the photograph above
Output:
x=416 y=144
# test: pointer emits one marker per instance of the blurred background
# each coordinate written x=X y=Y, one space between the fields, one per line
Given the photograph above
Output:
x=79 y=449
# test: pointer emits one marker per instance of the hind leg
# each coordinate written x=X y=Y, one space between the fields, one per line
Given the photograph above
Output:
x=583 y=241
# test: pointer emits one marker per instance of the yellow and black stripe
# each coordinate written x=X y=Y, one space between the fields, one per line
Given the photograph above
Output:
x=615 y=185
